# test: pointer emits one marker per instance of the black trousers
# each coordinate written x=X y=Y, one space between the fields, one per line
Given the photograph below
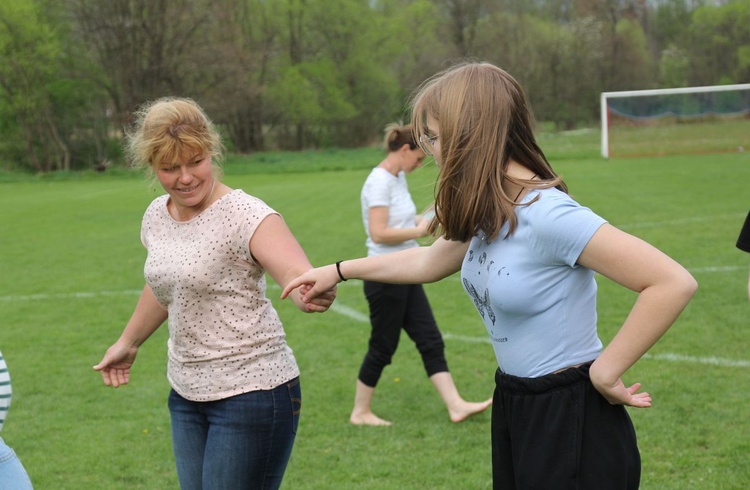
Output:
x=558 y=432
x=394 y=307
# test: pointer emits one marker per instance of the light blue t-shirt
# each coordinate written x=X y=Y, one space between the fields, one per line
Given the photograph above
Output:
x=538 y=305
x=382 y=188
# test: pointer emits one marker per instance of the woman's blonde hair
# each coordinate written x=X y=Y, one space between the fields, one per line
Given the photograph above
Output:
x=171 y=128
x=484 y=122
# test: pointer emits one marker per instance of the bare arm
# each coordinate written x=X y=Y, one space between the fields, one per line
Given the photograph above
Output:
x=664 y=288
x=146 y=319
x=274 y=247
x=413 y=266
x=380 y=232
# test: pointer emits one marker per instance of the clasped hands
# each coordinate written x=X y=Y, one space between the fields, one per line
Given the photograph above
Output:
x=316 y=287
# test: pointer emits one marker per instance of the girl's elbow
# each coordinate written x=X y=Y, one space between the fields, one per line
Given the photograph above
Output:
x=679 y=286
x=693 y=286
x=382 y=239
x=687 y=285
x=376 y=235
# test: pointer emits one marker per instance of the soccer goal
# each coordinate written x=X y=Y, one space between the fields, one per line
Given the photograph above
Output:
x=675 y=121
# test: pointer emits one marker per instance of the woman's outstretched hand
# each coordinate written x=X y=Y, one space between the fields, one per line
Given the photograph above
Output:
x=116 y=363
x=316 y=284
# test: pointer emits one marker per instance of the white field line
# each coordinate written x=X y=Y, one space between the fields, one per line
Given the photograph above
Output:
x=350 y=283
x=716 y=361
x=360 y=317
x=81 y=295
x=683 y=221
x=728 y=268
x=350 y=312
x=356 y=282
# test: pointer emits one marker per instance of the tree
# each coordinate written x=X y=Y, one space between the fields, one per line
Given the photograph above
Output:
x=463 y=19
x=719 y=41
x=247 y=53
x=28 y=65
x=296 y=74
x=674 y=68
x=146 y=48
x=575 y=97
x=633 y=67
x=344 y=91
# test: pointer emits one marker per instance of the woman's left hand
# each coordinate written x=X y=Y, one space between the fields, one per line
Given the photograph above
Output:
x=616 y=392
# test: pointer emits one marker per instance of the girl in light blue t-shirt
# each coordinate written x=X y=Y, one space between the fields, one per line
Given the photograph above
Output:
x=528 y=253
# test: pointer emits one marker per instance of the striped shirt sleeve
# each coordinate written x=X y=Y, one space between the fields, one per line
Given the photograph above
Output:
x=5 y=390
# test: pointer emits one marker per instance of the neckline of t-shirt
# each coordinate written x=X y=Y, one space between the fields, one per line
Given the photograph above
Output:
x=220 y=198
x=386 y=171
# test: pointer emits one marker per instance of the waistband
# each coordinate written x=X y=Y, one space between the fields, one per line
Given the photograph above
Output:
x=550 y=382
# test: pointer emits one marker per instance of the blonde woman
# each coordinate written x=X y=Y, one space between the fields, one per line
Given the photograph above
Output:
x=528 y=253
x=235 y=399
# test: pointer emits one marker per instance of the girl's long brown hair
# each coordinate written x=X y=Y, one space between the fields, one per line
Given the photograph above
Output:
x=484 y=122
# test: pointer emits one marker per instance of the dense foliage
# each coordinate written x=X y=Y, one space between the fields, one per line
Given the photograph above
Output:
x=293 y=74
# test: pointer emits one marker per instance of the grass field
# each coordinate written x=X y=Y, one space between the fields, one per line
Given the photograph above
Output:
x=71 y=267
x=662 y=138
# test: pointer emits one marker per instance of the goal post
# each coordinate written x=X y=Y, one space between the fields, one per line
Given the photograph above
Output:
x=647 y=112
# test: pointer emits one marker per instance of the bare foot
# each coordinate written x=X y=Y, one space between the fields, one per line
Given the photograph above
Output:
x=368 y=418
x=467 y=409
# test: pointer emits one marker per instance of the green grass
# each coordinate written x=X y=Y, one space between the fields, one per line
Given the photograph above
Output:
x=664 y=137
x=71 y=263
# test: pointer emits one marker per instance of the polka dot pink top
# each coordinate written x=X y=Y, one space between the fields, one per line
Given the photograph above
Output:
x=225 y=337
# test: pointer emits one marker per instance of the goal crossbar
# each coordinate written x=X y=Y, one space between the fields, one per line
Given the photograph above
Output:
x=644 y=93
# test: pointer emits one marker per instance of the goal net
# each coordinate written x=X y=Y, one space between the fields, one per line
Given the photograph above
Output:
x=675 y=121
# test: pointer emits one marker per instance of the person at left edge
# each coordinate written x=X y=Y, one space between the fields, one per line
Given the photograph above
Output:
x=235 y=399
x=13 y=475
x=743 y=243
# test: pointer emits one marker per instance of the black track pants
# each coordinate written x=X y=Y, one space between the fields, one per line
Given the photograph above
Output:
x=558 y=432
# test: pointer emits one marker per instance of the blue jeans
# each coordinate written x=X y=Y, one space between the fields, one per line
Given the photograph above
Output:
x=12 y=473
x=241 y=442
